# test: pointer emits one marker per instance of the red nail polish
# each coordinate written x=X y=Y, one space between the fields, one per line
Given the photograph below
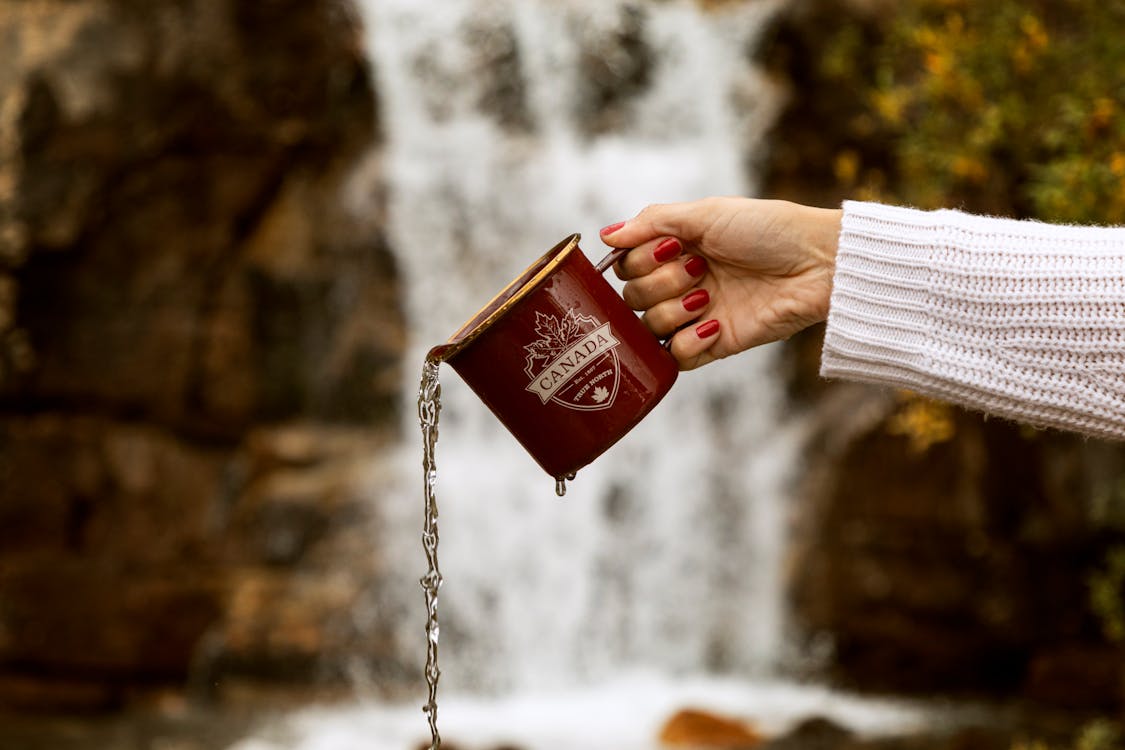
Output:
x=697 y=300
x=667 y=250
x=695 y=266
x=707 y=330
x=611 y=228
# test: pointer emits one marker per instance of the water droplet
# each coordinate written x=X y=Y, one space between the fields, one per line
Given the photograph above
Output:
x=560 y=482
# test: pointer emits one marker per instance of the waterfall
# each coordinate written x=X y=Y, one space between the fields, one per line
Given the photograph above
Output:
x=509 y=125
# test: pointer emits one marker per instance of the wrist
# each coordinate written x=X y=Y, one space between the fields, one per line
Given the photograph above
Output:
x=826 y=237
x=823 y=242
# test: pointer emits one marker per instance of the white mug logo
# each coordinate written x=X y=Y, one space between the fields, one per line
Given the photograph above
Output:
x=574 y=362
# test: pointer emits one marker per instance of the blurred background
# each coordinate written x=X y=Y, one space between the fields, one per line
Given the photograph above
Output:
x=229 y=231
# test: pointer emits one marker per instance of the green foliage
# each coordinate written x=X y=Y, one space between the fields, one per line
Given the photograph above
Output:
x=1011 y=107
x=1095 y=734
x=1106 y=594
x=1098 y=734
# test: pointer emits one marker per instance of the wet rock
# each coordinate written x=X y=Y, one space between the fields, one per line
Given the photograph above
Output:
x=175 y=204
x=499 y=67
x=817 y=733
x=1076 y=676
x=944 y=568
x=615 y=67
x=966 y=738
x=820 y=733
x=199 y=345
x=694 y=728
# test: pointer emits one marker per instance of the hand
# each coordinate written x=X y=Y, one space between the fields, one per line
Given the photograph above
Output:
x=754 y=271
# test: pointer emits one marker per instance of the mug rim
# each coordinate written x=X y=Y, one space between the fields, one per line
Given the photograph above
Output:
x=525 y=283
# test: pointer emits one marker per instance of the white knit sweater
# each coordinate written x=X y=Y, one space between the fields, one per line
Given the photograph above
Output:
x=1016 y=318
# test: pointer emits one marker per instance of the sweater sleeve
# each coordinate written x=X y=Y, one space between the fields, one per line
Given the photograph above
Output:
x=1018 y=319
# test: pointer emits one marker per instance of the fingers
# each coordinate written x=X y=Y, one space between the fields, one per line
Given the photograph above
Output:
x=687 y=221
x=647 y=257
x=661 y=285
x=665 y=318
x=671 y=305
x=664 y=282
x=693 y=346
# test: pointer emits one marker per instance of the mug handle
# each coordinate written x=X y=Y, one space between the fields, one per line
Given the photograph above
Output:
x=612 y=257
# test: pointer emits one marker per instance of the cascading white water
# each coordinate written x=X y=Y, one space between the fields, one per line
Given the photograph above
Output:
x=666 y=551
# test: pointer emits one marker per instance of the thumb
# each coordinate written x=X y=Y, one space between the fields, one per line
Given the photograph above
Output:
x=687 y=221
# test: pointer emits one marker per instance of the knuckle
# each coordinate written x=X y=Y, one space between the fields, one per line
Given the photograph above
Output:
x=683 y=353
x=648 y=212
x=632 y=295
x=657 y=320
x=630 y=267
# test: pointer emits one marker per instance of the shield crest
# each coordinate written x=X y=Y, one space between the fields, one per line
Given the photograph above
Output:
x=573 y=362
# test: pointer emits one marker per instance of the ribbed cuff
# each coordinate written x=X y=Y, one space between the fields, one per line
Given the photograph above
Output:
x=879 y=321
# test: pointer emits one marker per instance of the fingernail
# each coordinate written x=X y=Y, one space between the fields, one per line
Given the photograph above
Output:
x=707 y=330
x=695 y=266
x=667 y=250
x=696 y=300
x=611 y=228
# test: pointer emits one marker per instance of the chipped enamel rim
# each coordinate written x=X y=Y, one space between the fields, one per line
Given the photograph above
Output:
x=524 y=284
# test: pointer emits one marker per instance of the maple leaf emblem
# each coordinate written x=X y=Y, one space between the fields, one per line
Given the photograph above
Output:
x=556 y=335
x=600 y=394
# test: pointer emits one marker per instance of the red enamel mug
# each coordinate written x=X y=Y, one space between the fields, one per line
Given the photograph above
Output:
x=562 y=361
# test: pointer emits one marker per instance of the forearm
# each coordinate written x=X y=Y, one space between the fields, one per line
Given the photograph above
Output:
x=1018 y=319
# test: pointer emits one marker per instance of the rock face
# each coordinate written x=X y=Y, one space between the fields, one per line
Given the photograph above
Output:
x=199 y=347
x=955 y=564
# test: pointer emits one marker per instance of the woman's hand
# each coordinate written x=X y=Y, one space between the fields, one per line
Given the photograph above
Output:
x=753 y=271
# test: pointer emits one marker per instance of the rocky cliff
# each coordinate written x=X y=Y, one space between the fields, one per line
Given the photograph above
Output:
x=199 y=349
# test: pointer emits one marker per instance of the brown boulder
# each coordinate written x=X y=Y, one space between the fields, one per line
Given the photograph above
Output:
x=695 y=728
